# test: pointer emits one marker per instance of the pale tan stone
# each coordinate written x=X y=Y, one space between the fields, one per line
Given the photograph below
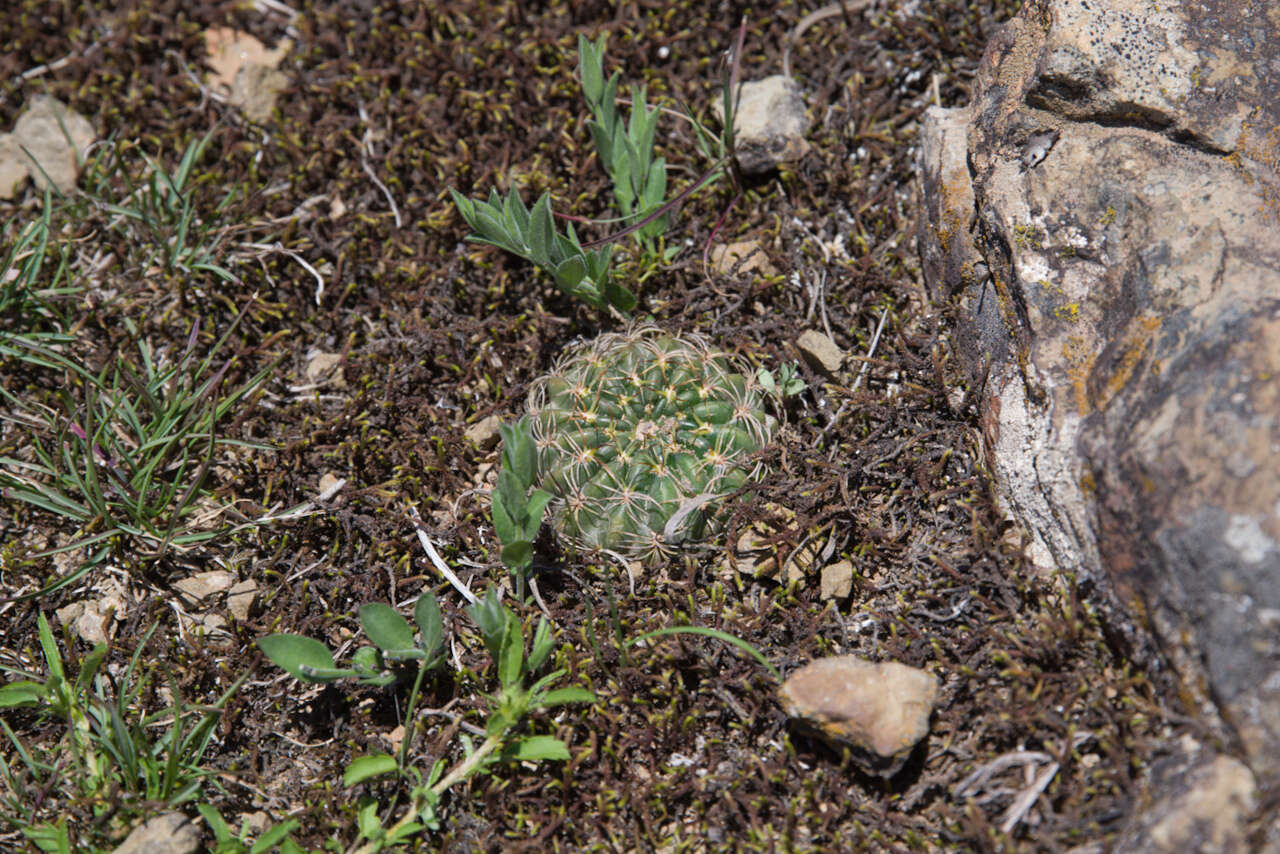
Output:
x=880 y=710
x=820 y=351
x=837 y=580
x=54 y=140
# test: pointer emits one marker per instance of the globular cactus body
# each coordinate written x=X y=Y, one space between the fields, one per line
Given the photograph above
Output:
x=639 y=434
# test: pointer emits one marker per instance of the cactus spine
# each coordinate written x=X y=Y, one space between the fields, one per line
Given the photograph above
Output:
x=639 y=434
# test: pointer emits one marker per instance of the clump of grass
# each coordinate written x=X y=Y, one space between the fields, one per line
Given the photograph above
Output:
x=157 y=215
x=108 y=761
x=121 y=448
x=123 y=451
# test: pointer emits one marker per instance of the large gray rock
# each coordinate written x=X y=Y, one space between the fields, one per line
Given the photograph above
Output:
x=1105 y=221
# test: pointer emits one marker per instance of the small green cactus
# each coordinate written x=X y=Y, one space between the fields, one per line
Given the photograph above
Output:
x=639 y=434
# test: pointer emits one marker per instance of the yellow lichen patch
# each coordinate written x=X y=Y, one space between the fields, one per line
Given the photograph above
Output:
x=1131 y=353
x=1079 y=358
x=1028 y=236
x=1069 y=312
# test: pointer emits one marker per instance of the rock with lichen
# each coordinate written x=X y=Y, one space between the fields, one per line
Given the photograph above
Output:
x=1104 y=219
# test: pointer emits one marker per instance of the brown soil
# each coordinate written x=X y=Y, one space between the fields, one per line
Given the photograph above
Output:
x=436 y=334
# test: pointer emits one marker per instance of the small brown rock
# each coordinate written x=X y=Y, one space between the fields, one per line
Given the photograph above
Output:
x=330 y=485
x=170 y=833
x=753 y=555
x=93 y=620
x=880 y=710
x=837 y=580
x=255 y=89
x=229 y=51
x=820 y=351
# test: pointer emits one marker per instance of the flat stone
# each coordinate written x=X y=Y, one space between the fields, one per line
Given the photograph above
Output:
x=769 y=125
x=13 y=167
x=820 y=352
x=93 y=620
x=255 y=90
x=326 y=368
x=754 y=556
x=330 y=485
x=230 y=50
x=837 y=580
x=206 y=584
x=170 y=833
x=241 y=598
x=56 y=140
x=724 y=258
x=484 y=433
x=878 y=710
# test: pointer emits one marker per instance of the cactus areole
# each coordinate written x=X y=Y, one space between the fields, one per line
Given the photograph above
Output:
x=640 y=434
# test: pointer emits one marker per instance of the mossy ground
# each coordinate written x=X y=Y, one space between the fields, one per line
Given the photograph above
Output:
x=436 y=334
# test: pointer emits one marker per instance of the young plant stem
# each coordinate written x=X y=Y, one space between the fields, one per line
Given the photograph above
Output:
x=457 y=774
x=707 y=176
x=408 y=715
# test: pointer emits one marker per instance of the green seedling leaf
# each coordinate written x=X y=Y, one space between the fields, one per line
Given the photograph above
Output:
x=302 y=657
x=711 y=633
x=89 y=666
x=542 y=232
x=590 y=68
x=465 y=206
x=517 y=554
x=569 y=274
x=386 y=628
x=367 y=820
x=364 y=767
x=503 y=524
x=511 y=494
x=620 y=297
x=490 y=618
x=22 y=694
x=511 y=657
x=535 y=748
x=274 y=836
x=52 y=658
x=370 y=664
x=403 y=832
x=542 y=643
x=533 y=512
x=211 y=816
x=519 y=453
x=430 y=624
x=563 y=696
x=50 y=837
